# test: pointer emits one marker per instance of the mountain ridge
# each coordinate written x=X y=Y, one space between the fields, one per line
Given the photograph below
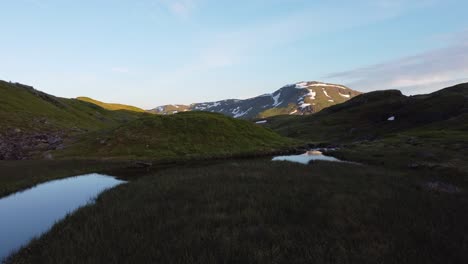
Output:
x=300 y=98
x=110 y=106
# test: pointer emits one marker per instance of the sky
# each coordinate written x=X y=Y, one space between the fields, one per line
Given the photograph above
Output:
x=154 y=52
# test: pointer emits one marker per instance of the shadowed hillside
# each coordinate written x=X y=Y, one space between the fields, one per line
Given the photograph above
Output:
x=380 y=113
x=387 y=128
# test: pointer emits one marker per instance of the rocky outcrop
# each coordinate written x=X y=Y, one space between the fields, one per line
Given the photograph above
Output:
x=16 y=144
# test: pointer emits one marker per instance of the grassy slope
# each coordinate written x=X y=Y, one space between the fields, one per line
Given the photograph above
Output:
x=429 y=130
x=365 y=116
x=110 y=106
x=184 y=135
x=346 y=121
x=264 y=212
x=27 y=109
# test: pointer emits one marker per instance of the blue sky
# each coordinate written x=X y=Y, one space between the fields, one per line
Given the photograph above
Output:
x=153 y=52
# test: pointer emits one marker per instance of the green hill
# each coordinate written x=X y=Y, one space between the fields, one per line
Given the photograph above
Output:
x=32 y=122
x=110 y=106
x=24 y=108
x=184 y=135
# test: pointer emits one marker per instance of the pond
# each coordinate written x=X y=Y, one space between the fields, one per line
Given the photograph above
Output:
x=307 y=157
x=30 y=213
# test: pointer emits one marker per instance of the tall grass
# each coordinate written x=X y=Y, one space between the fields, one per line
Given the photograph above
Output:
x=263 y=212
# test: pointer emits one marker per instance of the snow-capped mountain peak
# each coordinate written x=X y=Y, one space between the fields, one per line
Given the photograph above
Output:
x=293 y=99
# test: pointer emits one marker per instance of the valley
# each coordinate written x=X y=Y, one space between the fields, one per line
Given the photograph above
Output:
x=203 y=187
x=234 y=132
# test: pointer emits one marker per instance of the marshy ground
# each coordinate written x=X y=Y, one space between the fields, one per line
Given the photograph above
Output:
x=258 y=211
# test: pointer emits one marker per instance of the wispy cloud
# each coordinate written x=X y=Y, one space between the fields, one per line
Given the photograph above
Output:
x=228 y=48
x=421 y=73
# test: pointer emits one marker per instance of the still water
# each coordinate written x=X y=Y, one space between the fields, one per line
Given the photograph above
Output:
x=30 y=213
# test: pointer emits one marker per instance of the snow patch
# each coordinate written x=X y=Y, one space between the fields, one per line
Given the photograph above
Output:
x=276 y=98
x=301 y=85
x=326 y=85
x=240 y=114
x=392 y=118
x=261 y=122
x=344 y=95
x=213 y=105
x=236 y=110
x=205 y=106
x=304 y=105
x=325 y=92
x=312 y=94
x=293 y=112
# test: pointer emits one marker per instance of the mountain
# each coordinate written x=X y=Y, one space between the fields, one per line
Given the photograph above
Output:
x=293 y=99
x=110 y=106
x=382 y=113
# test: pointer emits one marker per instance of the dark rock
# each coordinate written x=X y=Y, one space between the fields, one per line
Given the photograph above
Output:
x=438 y=186
x=18 y=145
x=48 y=156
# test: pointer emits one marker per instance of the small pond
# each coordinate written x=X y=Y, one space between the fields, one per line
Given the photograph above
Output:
x=30 y=213
x=307 y=157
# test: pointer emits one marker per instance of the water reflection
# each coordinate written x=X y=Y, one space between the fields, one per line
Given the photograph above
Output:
x=28 y=214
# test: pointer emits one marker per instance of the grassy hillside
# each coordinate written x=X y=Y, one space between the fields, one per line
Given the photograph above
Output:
x=33 y=122
x=367 y=116
x=24 y=108
x=184 y=135
x=390 y=129
x=110 y=106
